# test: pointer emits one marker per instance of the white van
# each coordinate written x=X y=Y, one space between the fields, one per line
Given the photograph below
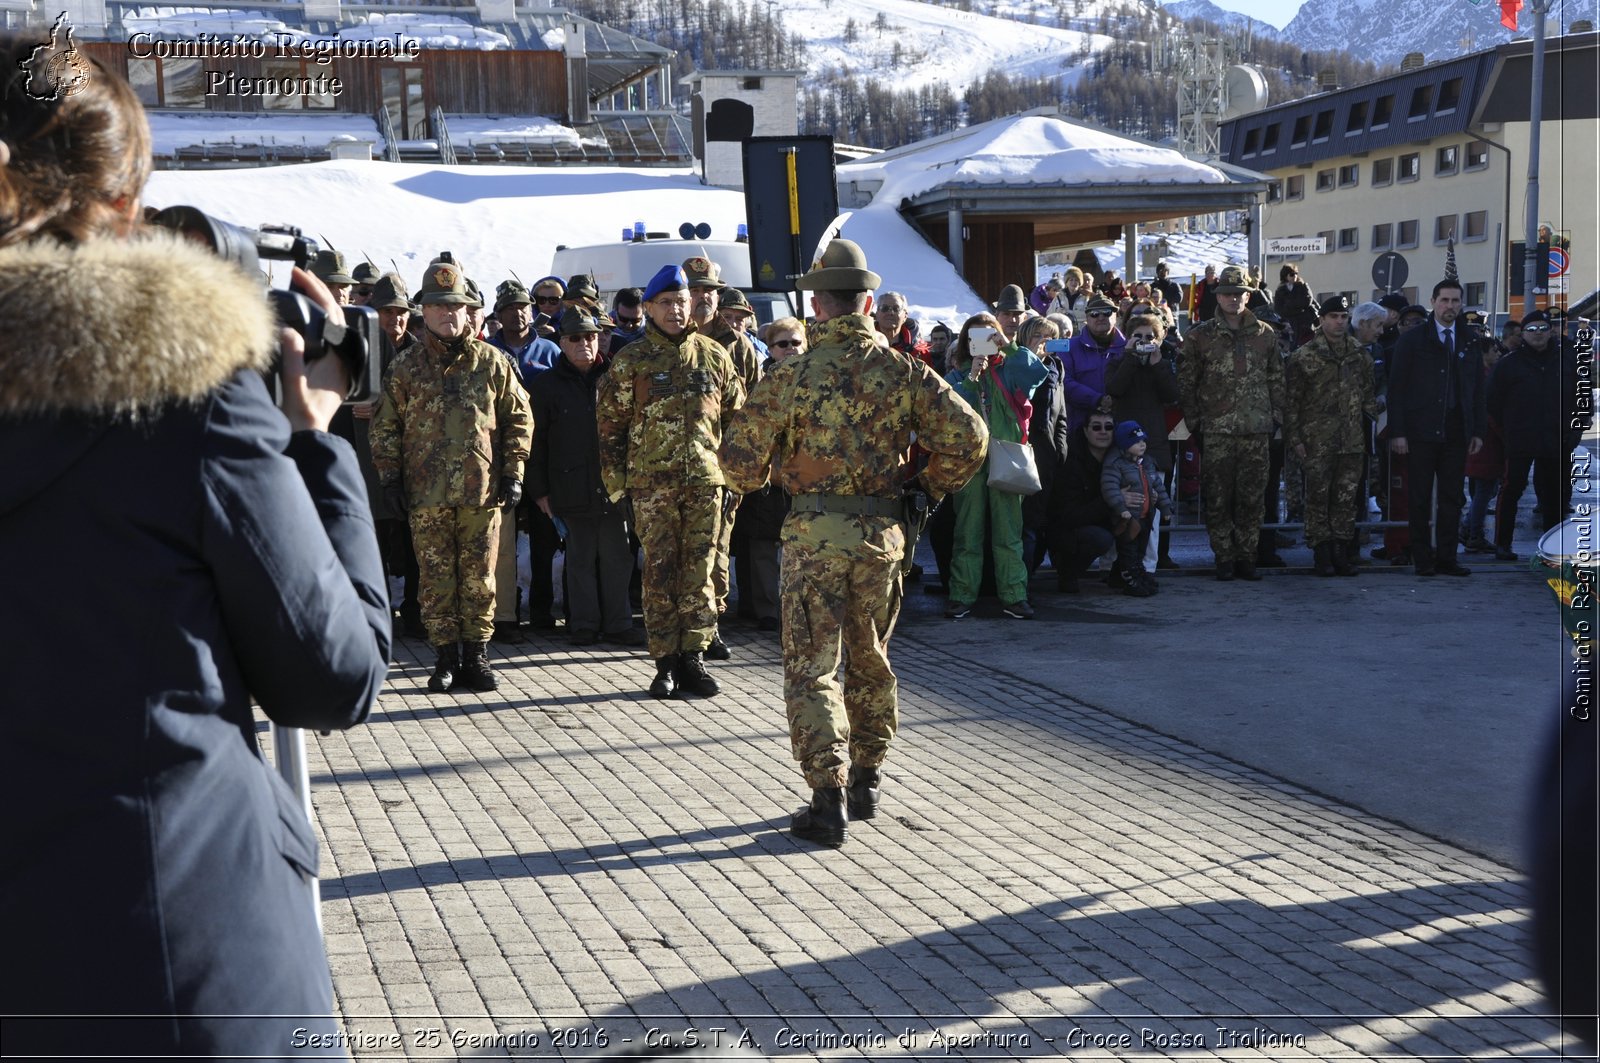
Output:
x=622 y=265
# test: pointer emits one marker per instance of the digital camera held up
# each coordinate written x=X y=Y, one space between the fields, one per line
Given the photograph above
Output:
x=355 y=340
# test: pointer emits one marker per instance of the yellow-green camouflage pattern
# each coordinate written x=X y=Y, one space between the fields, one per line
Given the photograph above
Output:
x=452 y=421
x=837 y=606
x=677 y=531
x=1231 y=379
x=457 y=547
x=660 y=413
x=1233 y=482
x=1330 y=395
x=840 y=419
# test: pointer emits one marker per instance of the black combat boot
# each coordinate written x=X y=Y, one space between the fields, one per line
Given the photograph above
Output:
x=717 y=650
x=823 y=821
x=1322 y=560
x=1340 y=556
x=1246 y=570
x=861 y=797
x=666 y=680
x=692 y=675
x=444 y=668
x=475 y=671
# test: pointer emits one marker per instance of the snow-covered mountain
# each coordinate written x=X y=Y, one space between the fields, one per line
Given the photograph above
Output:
x=1228 y=20
x=1385 y=30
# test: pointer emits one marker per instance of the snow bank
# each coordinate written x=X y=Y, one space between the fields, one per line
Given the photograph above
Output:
x=169 y=132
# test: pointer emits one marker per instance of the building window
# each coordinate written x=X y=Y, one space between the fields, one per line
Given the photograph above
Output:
x=1297 y=186
x=1357 y=120
x=1477 y=155
x=1449 y=96
x=1382 y=111
x=1325 y=181
x=1444 y=228
x=144 y=76
x=1274 y=191
x=1405 y=235
x=183 y=83
x=1476 y=294
x=1269 y=139
x=1328 y=236
x=1350 y=176
x=1446 y=160
x=1349 y=239
x=1382 y=172
x=1383 y=236
x=752 y=84
x=294 y=70
x=1410 y=166
x=1351 y=298
x=1252 y=142
x=1302 y=131
x=1421 y=100
x=1323 y=127
x=1475 y=225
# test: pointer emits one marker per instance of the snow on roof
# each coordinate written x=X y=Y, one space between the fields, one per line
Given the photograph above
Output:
x=908 y=264
x=1030 y=151
x=169 y=132
x=1188 y=254
x=501 y=129
x=429 y=30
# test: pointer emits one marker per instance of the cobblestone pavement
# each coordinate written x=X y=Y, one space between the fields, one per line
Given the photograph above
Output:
x=568 y=866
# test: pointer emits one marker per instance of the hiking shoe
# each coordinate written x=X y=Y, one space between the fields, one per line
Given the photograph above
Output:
x=957 y=610
x=1019 y=610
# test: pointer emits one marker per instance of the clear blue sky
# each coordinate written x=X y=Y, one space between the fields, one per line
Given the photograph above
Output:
x=1273 y=12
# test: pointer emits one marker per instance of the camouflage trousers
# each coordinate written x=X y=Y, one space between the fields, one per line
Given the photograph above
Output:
x=1332 y=483
x=1233 y=479
x=720 y=569
x=837 y=606
x=1296 y=477
x=456 y=552
x=677 y=530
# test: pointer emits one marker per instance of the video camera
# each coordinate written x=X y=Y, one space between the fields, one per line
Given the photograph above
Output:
x=355 y=340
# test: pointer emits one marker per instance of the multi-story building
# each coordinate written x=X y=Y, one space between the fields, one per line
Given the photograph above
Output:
x=1436 y=154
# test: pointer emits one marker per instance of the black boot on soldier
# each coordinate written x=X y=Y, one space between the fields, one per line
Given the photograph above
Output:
x=475 y=671
x=823 y=821
x=1339 y=554
x=861 y=796
x=1322 y=559
x=692 y=676
x=666 y=680
x=444 y=668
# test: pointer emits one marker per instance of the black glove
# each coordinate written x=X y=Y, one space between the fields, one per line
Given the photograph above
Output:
x=394 y=497
x=510 y=491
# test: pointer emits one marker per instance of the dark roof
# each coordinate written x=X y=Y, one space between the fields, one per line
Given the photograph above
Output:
x=1444 y=97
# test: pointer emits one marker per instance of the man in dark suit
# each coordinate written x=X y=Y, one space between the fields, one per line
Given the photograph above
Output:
x=1436 y=418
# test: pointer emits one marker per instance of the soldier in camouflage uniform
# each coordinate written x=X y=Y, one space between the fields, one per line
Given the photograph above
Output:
x=705 y=295
x=837 y=425
x=660 y=413
x=1231 y=380
x=449 y=441
x=1329 y=394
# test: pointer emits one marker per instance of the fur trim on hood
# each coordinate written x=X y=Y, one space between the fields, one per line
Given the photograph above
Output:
x=124 y=328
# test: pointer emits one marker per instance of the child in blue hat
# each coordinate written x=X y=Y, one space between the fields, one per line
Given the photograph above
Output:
x=1132 y=487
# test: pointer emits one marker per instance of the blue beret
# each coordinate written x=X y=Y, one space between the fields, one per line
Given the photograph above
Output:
x=667 y=279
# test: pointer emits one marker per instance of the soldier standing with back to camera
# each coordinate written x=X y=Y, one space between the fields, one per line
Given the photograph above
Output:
x=449 y=442
x=660 y=414
x=837 y=424
x=1231 y=380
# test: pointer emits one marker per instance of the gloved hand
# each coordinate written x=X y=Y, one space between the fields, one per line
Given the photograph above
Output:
x=510 y=492
x=394 y=497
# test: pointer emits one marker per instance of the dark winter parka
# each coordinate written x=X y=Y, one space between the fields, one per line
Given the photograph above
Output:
x=565 y=462
x=1417 y=386
x=1142 y=392
x=1533 y=394
x=153 y=859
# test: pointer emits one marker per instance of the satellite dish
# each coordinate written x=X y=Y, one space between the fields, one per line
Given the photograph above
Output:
x=1243 y=90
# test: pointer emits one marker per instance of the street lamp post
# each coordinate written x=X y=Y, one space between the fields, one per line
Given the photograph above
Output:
x=1535 y=273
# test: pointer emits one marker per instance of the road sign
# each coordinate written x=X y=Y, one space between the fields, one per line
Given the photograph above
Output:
x=1296 y=245
x=1390 y=271
x=1559 y=261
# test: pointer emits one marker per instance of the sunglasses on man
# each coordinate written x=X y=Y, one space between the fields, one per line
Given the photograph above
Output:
x=1536 y=328
x=785 y=343
x=547 y=300
x=1101 y=313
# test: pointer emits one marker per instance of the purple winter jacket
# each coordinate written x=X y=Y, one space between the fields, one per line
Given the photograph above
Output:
x=1084 y=374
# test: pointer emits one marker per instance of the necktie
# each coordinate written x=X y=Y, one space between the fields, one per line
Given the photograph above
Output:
x=1450 y=341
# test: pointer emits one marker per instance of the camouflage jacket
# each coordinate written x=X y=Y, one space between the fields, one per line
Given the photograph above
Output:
x=746 y=362
x=1329 y=392
x=840 y=419
x=660 y=413
x=1231 y=380
x=450 y=424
